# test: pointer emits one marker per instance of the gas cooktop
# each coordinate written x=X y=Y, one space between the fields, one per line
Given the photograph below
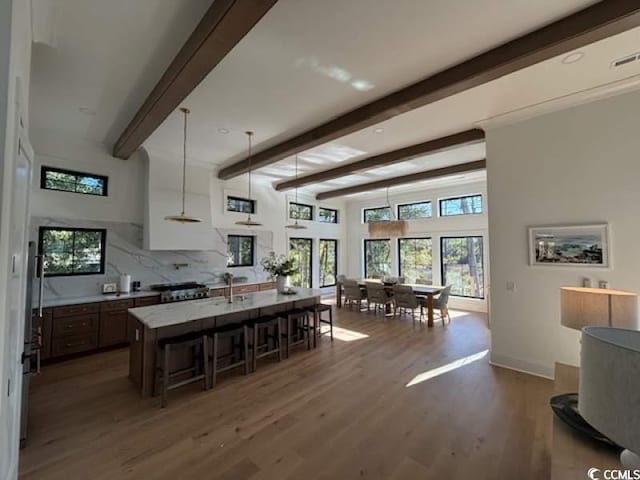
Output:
x=177 y=292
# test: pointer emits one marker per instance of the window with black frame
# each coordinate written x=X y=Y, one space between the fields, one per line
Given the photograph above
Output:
x=462 y=265
x=379 y=214
x=300 y=211
x=241 y=205
x=71 y=181
x=414 y=211
x=415 y=259
x=301 y=250
x=241 y=251
x=327 y=215
x=467 y=205
x=377 y=258
x=328 y=256
x=72 y=251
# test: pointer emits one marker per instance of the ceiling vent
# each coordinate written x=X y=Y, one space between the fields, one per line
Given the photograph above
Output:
x=625 y=60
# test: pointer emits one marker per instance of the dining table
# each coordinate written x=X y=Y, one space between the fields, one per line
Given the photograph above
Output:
x=421 y=290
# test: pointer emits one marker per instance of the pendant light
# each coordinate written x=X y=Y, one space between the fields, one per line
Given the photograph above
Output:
x=295 y=225
x=182 y=218
x=249 y=222
x=388 y=228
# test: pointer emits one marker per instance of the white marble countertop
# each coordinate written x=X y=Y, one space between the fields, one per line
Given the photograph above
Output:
x=64 y=301
x=167 y=314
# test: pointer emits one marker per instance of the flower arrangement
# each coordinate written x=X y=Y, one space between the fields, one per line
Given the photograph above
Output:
x=279 y=265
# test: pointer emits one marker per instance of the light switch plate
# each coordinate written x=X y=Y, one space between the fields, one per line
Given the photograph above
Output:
x=511 y=286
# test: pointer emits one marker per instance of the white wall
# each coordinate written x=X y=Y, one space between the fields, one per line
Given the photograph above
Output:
x=435 y=227
x=577 y=166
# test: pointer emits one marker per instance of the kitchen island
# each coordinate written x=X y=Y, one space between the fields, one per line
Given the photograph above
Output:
x=147 y=325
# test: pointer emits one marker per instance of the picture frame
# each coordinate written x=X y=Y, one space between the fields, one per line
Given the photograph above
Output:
x=579 y=246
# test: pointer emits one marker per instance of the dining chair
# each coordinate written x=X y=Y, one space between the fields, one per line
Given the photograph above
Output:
x=393 y=280
x=353 y=293
x=404 y=298
x=377 y=296
x=441 y=302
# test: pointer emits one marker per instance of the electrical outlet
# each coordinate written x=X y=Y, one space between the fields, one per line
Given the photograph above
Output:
x=511 y=286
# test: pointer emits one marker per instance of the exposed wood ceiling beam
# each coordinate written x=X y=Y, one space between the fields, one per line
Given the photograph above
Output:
x=405 y=179
x=592 y=24
x=388 y=158
x=222 y=27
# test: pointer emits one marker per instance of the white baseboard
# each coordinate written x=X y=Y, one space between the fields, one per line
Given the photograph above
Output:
x=536 y=369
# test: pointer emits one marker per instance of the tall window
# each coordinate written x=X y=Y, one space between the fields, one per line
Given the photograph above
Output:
x=240 y=250
x=377 y=258
x=462 y=265
x=414 y=258
x=301 y=250
x=410 y=211
x=300 y=211
x=461 y=205
x=376 y=214
x=243 y=205
x=70 y=181
x=328 y=262
x=72 y=251
x=327 y=215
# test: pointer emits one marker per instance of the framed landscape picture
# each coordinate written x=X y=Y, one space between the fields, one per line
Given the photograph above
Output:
x=570 y=246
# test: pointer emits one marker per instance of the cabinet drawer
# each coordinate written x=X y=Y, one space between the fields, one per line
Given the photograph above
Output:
x=146 y=301
x=217 y=292
x=72 y=310
x=245 y=288
x=80 y=324
x=75 y=344
x=116 y=305
x=267 y=286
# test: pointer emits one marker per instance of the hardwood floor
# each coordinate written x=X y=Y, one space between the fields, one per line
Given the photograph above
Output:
x=341 y=411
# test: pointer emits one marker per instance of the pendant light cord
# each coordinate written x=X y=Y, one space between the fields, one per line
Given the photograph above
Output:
x=184 y=160
x=249 y=134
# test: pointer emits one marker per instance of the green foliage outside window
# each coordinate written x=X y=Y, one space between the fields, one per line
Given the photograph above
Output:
x=462 y=265
x=377 y=258
x=416 y=262
x=328 y=262
x=301 y=251
x=72 y=251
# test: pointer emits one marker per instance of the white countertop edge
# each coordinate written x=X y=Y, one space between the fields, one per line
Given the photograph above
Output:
x=65 y=301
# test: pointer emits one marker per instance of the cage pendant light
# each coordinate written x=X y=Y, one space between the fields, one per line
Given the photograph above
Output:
x=387 y=228
x=249 y=222
x=183 y=218
x=295 y=225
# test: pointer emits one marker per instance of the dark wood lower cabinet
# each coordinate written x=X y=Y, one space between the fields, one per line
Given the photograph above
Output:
x=113 y=328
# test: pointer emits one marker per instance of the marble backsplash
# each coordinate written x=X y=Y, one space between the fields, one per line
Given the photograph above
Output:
x=125 y=255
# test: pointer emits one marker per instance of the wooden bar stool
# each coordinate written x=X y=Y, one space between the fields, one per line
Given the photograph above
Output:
x=232 y=330
x=199 y=369
x=317 y=311
x=260 y=350
x=300 y=318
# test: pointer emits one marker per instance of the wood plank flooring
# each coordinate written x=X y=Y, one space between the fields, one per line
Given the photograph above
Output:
x=342 y=411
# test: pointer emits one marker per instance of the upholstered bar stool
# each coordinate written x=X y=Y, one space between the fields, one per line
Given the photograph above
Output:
x=299 y=318
x=317 y=311
x=272 y=342
x=199 y=369
x=232 y=330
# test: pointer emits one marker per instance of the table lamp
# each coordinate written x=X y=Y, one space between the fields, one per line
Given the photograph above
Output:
x=585 y=307
x=610 y=387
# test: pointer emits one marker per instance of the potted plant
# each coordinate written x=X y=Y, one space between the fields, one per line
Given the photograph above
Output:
x=280 y=267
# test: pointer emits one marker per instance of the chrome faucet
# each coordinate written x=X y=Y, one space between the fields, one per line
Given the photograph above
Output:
x=228 y=279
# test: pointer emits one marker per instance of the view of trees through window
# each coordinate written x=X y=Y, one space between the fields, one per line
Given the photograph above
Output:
x=327 y=215
x=377 y=258
x=300 y=211
x=461 y=206
x=416 y=262
x=409 y=211
x=72 y=251
x=377 y=214
x=462 y=265
x=240 y=250
x=328 y=256
x=70 y=181
x=243 y=205
x=301 y=250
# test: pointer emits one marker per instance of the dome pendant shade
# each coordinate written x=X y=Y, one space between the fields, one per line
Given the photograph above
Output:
x=183 y=218
x=249 y=222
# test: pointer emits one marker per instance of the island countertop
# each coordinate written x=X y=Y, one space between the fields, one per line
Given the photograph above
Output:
x=168 y=314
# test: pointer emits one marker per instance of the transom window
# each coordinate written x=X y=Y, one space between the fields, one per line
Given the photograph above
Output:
x=377 y=258
x=72 y=251
x=468 y=205
x=328 y=262
x=410 y=211
x=300 y=211
x=327 y=215
x=462 y=265
x=240 y=251
x=70 y=181
x=415 y=260
x=378 y=214
x=242 y=205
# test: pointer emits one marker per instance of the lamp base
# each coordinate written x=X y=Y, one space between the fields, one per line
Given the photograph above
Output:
x=630 y=460
x=565 y=407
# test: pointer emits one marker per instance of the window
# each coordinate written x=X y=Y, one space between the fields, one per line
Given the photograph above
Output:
x=240 y=250
x=242 y=205
x=377 y=258
x=301 y=250
x=462 y=266
x=461 y=205
x=327 y=215
x=72 y=251
x=376 y=214
x=70 y=181
x=414 y=259
x=410 y=211
x=328 y=262
x=300 y=211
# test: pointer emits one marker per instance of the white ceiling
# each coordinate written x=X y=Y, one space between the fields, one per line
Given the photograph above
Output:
x=305 y=62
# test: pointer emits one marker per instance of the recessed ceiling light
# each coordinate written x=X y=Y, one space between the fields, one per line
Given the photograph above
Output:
x=378 y=130
x=362 y=85
x=573 y=57
x=223 y=131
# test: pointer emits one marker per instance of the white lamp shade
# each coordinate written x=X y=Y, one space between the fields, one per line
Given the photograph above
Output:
x=584 y=307
x=609 y=397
